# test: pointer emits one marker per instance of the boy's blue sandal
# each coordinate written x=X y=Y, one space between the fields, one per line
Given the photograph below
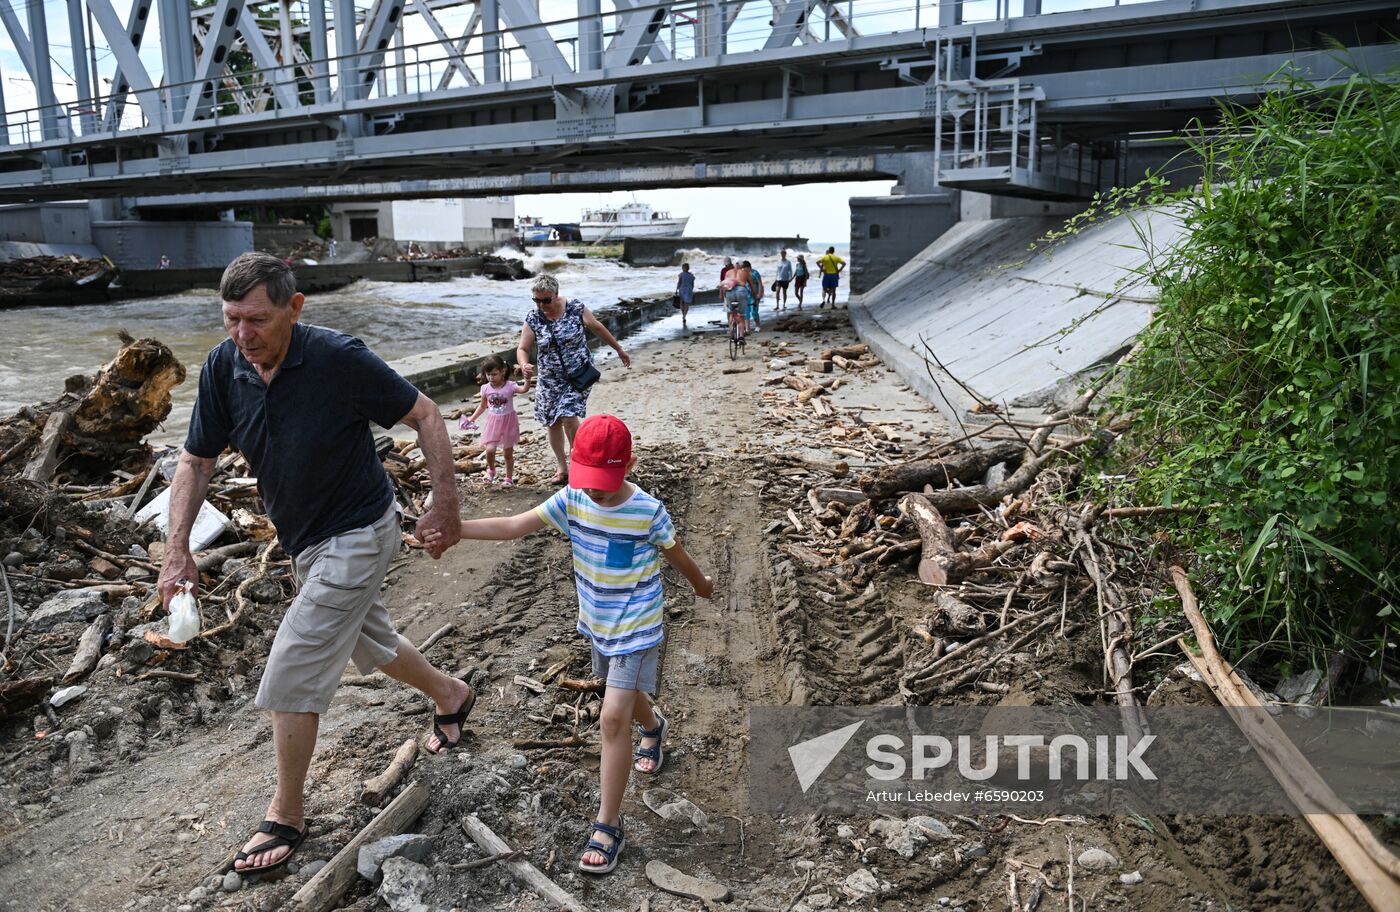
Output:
x=610 y=852
x=654 y=754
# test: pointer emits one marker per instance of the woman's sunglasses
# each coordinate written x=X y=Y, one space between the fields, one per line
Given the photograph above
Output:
x=542 y=300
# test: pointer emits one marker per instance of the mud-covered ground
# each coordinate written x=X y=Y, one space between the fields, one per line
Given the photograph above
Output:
x=137 y=797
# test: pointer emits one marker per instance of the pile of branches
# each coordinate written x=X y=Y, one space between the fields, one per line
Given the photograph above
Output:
x=99 y=424
x=995 y=532
x=48 y=267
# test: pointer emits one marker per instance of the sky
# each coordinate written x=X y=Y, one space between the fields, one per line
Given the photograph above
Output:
x=818 y=212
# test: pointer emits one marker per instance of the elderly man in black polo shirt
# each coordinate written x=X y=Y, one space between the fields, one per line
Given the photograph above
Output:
x=296 y=400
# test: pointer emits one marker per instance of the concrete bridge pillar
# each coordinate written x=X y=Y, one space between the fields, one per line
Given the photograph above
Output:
x=886 y=231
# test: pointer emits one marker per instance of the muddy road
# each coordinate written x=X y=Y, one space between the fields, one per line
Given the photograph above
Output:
x=89 y=823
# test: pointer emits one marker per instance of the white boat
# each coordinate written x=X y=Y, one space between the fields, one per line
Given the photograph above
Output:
x=634 y=220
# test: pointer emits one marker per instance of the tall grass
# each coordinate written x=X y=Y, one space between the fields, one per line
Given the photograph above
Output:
x=1269 y=381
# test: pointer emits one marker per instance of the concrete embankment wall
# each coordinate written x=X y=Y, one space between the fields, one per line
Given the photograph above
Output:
x=140 y=244
x=666 y=251
x=1014 y=325
x=325 y=277
x=455 y=367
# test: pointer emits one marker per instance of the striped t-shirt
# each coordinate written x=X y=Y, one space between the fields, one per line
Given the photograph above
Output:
x=617 y=565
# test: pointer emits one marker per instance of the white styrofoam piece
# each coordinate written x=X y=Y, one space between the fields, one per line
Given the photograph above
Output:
x=208 y=525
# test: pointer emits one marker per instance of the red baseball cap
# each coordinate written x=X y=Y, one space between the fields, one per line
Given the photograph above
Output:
x=602 y=449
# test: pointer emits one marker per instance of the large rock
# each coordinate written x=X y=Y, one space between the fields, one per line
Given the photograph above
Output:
x=75 y=605
x=412 y=846
x=897 y=835
x=404 y=886
x=1097 y=860
x=860 y=884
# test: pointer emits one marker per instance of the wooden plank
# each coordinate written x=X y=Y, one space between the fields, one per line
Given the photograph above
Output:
x=1369 y=864
x=373 y=792
x=322 y=892
x=523 y=871
x=43 y=463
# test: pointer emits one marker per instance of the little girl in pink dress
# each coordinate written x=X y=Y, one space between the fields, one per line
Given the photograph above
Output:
x=501 y=430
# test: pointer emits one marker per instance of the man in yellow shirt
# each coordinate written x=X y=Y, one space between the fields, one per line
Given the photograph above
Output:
x=830 y=265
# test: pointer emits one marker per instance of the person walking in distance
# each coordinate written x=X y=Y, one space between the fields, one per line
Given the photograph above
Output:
x=755 y=297
x=685 y=290
x=799 y=279
x=782 y=277
x=297 y=401
x=831 y=266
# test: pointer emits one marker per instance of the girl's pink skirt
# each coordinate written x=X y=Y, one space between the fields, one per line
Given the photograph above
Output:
x=501 y=431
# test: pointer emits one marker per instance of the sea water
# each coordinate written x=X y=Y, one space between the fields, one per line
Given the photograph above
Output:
x=40 y=346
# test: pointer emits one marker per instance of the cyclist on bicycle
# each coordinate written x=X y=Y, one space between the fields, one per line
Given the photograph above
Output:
x=736 y=299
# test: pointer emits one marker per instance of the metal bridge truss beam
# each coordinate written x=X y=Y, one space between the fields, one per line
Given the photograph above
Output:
x=656 y=52
x=375 y=36
x=456 y=61
x=136 y=21
x=789 y=23
x=131 y=75
x=18 y=37
x=635 y=40
x=282 y=89
x=213 y=59
x=534 y=39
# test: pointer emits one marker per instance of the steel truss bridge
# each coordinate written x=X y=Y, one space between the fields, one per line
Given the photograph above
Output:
x=1013 y=96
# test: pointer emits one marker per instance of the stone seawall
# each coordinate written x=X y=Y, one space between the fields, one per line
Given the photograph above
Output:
x=323 y=277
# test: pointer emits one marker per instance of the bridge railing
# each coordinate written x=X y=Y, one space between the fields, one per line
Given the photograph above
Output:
x=558 y=47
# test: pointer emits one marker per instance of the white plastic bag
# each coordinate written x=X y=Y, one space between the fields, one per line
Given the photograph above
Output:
x=184 y=615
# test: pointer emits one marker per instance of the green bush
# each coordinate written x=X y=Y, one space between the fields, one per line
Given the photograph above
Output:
x=1267 y=392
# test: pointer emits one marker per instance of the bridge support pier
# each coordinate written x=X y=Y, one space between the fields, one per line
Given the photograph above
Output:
x=886 y=231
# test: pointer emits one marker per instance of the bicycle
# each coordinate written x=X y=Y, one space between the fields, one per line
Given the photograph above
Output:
x=736 y=341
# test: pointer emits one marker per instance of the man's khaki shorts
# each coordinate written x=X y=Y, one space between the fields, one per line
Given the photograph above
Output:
x=337 y=616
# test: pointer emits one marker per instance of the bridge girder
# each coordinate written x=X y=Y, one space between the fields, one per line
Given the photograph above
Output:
x=631 y=98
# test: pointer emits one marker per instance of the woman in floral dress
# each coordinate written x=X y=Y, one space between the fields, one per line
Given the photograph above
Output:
x=558 y=329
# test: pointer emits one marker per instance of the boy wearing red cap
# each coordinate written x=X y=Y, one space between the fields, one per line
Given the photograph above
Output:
x=619 y=534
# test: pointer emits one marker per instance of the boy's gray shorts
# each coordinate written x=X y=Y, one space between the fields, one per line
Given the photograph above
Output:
x=337 y=616
x=633 y=671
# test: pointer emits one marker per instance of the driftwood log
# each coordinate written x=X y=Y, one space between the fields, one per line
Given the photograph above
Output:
x=323 y=891
x=835 y=469
x=374 y=790
x=104 y=419
x=16 y=695
x=941 y=562
x=130 y=396
x=523 y=871
x=89 y=649
x=587 y=685
x=1370 y=864
x=214 y=559
x=43 y=463
x=963 y=467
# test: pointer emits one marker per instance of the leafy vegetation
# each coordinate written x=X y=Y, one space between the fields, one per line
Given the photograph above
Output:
x=1267 y=391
